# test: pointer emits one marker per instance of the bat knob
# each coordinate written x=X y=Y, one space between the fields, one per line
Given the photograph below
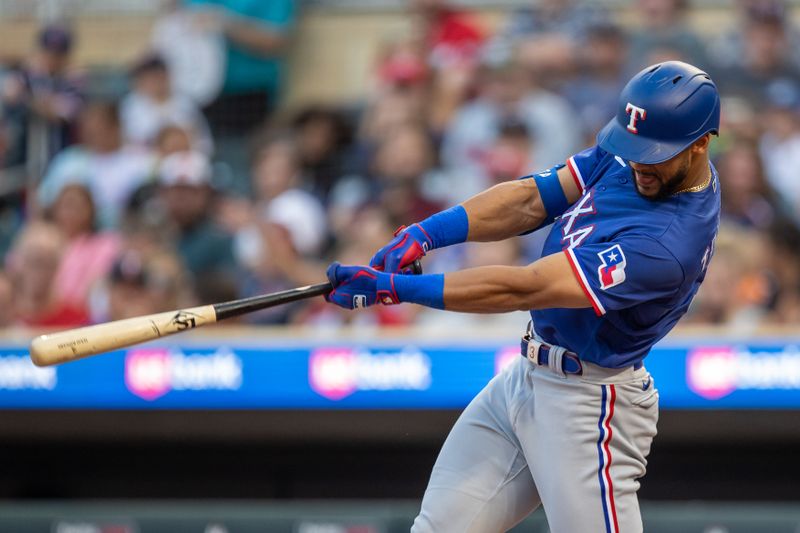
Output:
x=416 y=267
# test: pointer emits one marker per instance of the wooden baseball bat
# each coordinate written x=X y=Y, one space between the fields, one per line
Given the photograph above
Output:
x=72 y=344
x=65 y=346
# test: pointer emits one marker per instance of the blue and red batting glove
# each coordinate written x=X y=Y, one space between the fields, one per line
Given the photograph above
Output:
x=445 y=228
x=359 y=286
x=409 y=244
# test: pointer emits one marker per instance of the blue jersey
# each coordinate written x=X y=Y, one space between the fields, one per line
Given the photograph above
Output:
x=639 y=261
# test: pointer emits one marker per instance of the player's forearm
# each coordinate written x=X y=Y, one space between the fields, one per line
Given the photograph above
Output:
x=504 y=211
x=547 y=283
x=492 y=289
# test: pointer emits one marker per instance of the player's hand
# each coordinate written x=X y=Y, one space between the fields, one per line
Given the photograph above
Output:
x=359 y=286
x=409 y=244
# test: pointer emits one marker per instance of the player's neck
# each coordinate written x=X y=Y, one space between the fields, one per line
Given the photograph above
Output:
x=699 y=172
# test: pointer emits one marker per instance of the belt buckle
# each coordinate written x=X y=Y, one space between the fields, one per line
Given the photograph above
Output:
x=573 y=357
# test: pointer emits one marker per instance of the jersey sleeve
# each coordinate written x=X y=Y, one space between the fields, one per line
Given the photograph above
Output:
x=621 y=274
x=582 y=166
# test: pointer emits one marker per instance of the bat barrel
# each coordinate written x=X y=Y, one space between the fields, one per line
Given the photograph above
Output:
x=60 y=347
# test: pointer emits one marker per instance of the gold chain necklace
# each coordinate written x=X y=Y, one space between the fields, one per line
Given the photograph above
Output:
x=696 y=188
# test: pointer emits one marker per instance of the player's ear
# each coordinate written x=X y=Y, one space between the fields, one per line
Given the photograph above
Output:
x=700 y=146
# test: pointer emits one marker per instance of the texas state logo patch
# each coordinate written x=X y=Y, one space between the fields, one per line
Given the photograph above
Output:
x=612 y=267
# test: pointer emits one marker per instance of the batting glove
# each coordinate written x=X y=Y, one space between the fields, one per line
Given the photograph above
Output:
x=359 y=286
x=409 y=244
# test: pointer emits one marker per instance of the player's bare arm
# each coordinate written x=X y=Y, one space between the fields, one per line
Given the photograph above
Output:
x=503 y=211
x=511 y=208
x=546 y=283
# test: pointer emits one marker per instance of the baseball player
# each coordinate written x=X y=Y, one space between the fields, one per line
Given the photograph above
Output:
x=569 y=425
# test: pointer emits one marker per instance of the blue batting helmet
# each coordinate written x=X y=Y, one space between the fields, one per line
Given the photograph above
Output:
x=662 y=110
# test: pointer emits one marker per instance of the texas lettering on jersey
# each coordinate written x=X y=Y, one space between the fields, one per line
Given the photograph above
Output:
x=572 y=236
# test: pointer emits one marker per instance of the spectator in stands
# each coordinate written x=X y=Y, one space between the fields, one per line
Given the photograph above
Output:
x=738 y=122
x=172 y=139
x=282 y=199
x=256 y=35
x=13 y=190
x=780 y=143
x=152 y=105
x=452 y=40
x=42 y=99
x=147 y=273
x=595 y=91
x=738 y=288
x=509 y=157
x=569 y=18
x=323 y=143
x=228 y=55
x=452 y=36
x=728 y=49
x=32 y=265
x=280 y=236
x=110 y=169
x=661 y=32
x=403 y=179
x=88 y=253
x=409 y=184
x=402 y=62
x=505 y=94
x=549 y=58
x=188 y=199
x=142 y=284
x=7 y=318
x=783 y=258
x=746 y=196
x=387 y=111
x=765 y=59
x=142 y=203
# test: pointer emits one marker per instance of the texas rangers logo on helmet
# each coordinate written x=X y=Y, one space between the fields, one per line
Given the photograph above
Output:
x=612 y=267
x=637 y=113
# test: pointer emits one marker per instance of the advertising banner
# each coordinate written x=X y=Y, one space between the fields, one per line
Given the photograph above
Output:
x=705 y=373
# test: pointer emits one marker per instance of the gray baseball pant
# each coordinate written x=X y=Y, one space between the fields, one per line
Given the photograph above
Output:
x=577 y=445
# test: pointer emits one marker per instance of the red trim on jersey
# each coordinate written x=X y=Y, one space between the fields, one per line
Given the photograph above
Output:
x=578 y=275
x=575 y=174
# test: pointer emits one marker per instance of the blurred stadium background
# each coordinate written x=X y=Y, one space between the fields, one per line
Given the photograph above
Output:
x=157 y=154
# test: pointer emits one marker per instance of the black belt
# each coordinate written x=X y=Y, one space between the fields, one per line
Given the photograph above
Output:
x=570 y=362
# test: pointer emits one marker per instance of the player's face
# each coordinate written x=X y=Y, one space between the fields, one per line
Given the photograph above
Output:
x=656 y=182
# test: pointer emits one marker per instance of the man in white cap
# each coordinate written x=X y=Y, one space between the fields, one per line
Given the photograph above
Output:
x=187 y=195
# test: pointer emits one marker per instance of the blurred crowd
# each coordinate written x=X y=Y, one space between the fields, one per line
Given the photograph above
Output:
x=195 y=185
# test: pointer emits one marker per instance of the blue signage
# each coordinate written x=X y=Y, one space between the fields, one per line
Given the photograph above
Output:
x=704 y=373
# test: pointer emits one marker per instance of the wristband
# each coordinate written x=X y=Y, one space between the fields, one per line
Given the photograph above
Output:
x=552 y=194
x=446 y=228
x=425 y=289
